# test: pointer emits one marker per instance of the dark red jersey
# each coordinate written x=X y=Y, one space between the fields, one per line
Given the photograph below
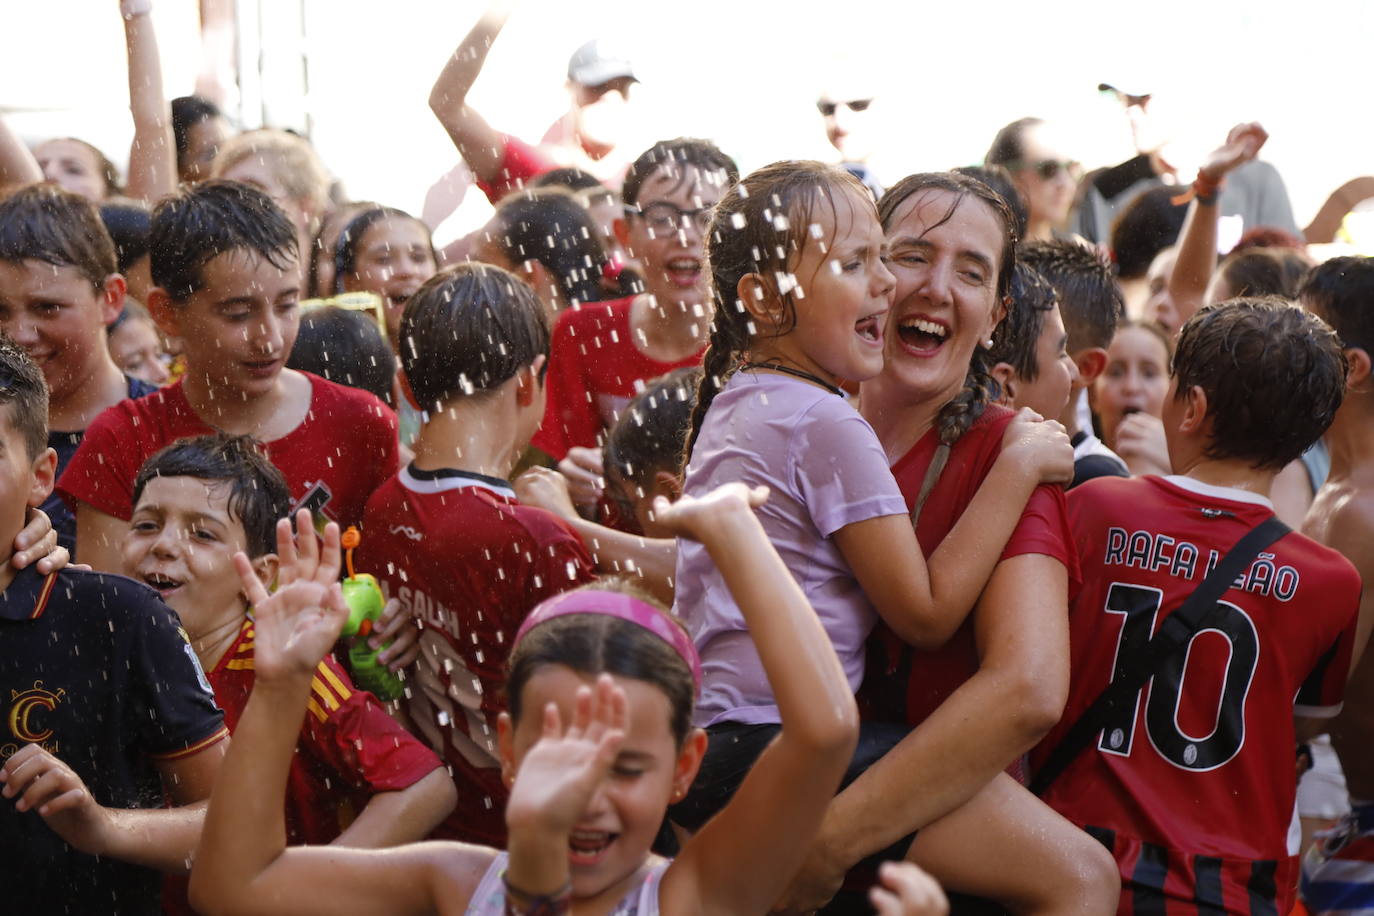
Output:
x=333 y=461
x=469 y=562
x=905 y=684
x=594 y=370
x=1193 y=787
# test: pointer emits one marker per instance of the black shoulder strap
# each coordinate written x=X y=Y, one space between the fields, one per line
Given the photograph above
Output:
x=1174 y=633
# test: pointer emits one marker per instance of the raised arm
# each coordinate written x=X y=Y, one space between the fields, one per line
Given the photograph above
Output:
x=1197 y=247
x=152 y=157
x=243 y=865
x=1324 y=225
x=924 y=602
x=478 y=144
x=17 y=165
x=741 y=860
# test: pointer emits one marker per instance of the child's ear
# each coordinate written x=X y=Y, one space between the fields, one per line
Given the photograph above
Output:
x=505 y=747
x=44 y=476
x=1003 y=374
x=666 y=484
x=1090 y=362
x=165 y=313
x=112 y=293
x=1358 y=361
x=266 y=567
x=530 y=382
x=1195 y=411
x=760 y=300
x=688 y=762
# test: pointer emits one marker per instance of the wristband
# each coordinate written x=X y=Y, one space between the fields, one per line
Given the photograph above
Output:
x=523 y=903
x=132 y=9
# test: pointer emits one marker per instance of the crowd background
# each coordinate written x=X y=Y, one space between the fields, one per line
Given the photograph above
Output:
x=354 y=75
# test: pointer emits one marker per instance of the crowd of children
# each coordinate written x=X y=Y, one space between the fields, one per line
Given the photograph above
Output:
x=740 y=543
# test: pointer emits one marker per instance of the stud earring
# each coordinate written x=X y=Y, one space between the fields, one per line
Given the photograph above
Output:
x=988 y=343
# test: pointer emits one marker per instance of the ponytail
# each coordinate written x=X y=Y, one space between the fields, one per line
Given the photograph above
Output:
x=963 y=411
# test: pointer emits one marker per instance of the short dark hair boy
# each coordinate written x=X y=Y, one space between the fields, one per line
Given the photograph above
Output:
x=1280 y=642
x=89 y=760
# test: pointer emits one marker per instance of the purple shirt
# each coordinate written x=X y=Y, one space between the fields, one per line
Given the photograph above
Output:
x=824 y=469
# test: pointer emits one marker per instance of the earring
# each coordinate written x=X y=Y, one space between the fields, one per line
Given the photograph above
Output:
x=988 y=343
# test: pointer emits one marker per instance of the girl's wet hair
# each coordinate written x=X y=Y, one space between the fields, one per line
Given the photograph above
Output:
x=467 y=330
x=593 y=644
x=651 y=432
x=551 y=226
x=129 y=223
x=351 y=239
x=344 y=346
x=1017 y=337
x=760 y=227
x=967 y=406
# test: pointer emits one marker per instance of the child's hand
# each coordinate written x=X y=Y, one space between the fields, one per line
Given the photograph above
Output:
x=585 y=475
x=547 y=490
x=693 y=516
x=1242 y=144
x=1141 y=443
x=300 y=622
x=41 y=782
x=1039 y=445
x=563 y=769
x=906 y=890
x=38 y=541
x=400 y=629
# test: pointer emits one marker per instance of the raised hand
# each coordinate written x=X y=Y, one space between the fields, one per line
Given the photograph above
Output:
x=693 y=516
x=562 y=770
x=1242 y=144
x=547 y=489
x=1040 y=445
x=585 y=474
x=299 y=623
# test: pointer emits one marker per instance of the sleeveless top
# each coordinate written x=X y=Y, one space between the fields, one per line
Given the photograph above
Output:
x=490 y=897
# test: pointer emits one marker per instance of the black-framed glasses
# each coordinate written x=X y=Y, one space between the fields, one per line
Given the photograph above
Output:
x=1049 y=169
x=828 y=108
x=664 y=218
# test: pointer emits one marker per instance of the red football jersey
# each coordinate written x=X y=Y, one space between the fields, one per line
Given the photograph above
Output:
x=1193 y=787
x=889 y=693
x=594 y=370
x=349 y=750
x=520 y=163
x=469 y=562
x=333 y=461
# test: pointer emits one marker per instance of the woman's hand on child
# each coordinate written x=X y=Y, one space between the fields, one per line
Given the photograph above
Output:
x=298 y=624
x=693 y=516
x=548 y=490
x=564 y=768
x=1242 y=144
x=1041 y=446
x=905 y=890
x=40 y=782
x=38 y=541
x=400 y=629
x=585 y=475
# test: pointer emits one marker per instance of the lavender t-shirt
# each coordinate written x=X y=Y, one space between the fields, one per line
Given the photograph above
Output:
x=824 y=469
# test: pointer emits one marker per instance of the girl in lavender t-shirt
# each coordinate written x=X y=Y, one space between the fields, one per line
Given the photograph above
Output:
x=802 y=292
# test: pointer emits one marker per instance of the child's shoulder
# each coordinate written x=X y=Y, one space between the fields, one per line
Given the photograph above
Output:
x=108 y=602
x=146 y=413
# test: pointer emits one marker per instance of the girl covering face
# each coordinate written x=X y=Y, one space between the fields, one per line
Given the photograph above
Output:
x=1136 y=379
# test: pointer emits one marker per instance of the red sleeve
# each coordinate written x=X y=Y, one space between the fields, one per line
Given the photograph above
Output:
x=568 y=563
x=519 y=163
x=569 y=415
x=360 y=741
x=1044 y=529
x=101 y=473
x=1323 y=691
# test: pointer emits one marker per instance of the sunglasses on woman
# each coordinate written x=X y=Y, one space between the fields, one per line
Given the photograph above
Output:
x=827 y=108
x=1049 y=169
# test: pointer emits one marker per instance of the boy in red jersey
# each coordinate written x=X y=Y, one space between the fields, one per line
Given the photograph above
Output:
x=602 y=353
x=1339 y=874
x=227 y=280
x=1193 y=787
x=357 y=777
x=446 y=535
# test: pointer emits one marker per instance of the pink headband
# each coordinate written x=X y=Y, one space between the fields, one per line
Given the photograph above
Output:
x=624 y=607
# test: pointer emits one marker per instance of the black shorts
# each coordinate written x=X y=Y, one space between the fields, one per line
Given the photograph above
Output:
x=731 y=751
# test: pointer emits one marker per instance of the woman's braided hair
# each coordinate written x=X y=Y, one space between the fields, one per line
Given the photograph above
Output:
x=759 y=227
x=967 y=406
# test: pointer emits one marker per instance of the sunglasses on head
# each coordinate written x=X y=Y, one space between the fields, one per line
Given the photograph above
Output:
x=1049 y=169
x=827 y=107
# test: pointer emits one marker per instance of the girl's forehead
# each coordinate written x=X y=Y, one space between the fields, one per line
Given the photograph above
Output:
x=648 y=708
